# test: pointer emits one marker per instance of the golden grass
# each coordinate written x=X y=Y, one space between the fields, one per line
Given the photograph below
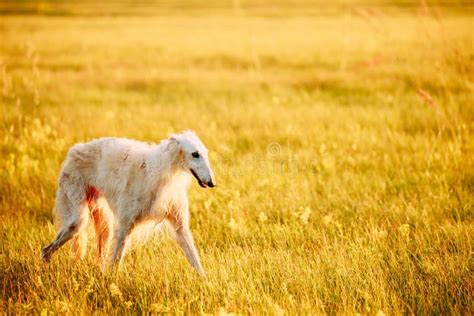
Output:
x=341 y=139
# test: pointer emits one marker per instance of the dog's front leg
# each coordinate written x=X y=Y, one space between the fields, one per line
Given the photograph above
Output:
x=185 y=240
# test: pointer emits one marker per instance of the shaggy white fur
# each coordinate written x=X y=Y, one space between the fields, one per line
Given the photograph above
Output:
x=121 y=183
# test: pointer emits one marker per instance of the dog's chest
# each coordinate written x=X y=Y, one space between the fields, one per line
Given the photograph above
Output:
x=170 y=198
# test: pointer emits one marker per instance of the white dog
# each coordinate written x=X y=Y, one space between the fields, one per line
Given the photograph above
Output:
x=121 y=183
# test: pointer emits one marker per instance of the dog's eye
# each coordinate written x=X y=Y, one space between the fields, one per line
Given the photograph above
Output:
x=195 y=154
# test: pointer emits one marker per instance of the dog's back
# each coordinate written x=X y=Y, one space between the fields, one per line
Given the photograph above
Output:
x=104 y=157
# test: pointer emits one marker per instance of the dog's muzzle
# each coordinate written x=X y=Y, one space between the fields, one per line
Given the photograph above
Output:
x=203 y=184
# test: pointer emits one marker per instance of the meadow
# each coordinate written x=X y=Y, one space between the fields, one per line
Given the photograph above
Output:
x=340 y=135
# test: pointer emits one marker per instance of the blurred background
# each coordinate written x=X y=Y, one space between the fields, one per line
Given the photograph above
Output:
x=340 y=133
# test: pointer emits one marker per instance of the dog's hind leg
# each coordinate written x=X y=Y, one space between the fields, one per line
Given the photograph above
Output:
x=71 y=208
x=68 y=231
x=123 y=229
x=120 y=238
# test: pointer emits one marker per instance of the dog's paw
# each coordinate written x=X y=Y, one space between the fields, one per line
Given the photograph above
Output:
x=45 y=255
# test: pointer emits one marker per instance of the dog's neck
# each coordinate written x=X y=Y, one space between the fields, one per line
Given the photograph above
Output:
x=165 y=164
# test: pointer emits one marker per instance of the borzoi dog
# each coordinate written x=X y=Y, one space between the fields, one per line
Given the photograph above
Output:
x=121 y=183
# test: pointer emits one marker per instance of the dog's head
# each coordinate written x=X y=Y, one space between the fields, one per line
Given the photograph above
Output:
x=194 y=158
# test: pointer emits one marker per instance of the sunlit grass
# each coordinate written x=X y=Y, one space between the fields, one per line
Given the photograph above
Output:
x=342 y=144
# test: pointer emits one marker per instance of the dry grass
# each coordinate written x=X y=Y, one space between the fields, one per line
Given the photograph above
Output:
x=341 y=139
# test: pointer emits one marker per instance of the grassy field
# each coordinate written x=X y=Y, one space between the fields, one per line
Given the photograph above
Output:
x=341 y=137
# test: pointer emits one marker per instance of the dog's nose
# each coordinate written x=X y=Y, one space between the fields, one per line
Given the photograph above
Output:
x=210 y=184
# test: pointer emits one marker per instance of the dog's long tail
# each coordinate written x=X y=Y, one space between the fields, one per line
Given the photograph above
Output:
x=103 y=221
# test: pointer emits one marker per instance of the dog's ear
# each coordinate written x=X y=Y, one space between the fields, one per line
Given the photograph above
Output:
x=174 y=145
x=174 y=140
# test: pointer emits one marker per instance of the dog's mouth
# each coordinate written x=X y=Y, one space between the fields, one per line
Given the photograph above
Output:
x=202 y=184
